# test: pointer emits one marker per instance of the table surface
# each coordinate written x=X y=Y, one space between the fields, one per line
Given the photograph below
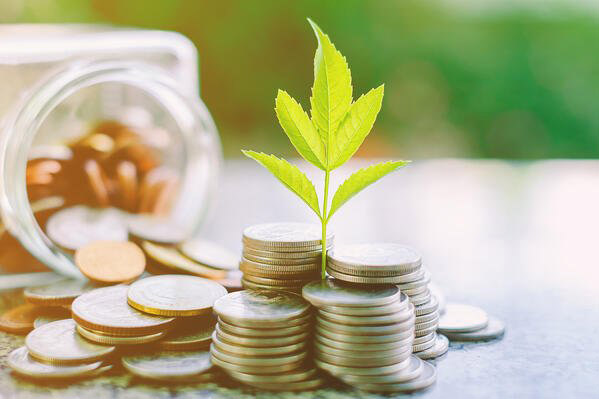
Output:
x=517 y=239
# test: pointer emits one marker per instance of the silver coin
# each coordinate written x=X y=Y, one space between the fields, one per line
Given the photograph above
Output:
x=495 y=329
x=312 y=273
x=439 y=348
x=290 y=376
x=364 y=347
x=391 y=318
x=262 y=308
x=258 y=342
x=296 y=235
x=155 y=229
x=256 y=370
x=418 y=348
x=382 y=256
x=351 y=278
x=390 y=308
x=359 y=356
x=426 y=378
x=265 y=332
x=331 y=292
x=363 y=339
x=366 y=330
x=462 y=318
x=420 y=298
x=253 y=260
x=73 y=227
x=398 y=275
x=210 y=254
x=427 y=324
x=410 y=372
x=59 y=343
x=339 y=371
x=168 y=364
x=423 y=281
x=426 y=317
x=280 y=360
x=428 y=307
x=426 y=331
x=364 y=362
x=415 y=291
x=61 y=292
x=20 y=361
x=425 y=338
x=252 y=351
x=306 y=385
x=300 y=254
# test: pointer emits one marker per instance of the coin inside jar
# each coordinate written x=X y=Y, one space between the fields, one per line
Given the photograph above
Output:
x=210 y=254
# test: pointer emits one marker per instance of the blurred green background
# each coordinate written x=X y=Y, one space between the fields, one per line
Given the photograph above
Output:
x=468 y=78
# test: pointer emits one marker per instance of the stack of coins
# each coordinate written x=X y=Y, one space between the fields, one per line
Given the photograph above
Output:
x=262 y=339
x=389 y=263
x=364 y=336
x=281 y=256
x=470 y=323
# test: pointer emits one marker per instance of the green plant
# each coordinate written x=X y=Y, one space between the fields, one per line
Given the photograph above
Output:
x=334 y=132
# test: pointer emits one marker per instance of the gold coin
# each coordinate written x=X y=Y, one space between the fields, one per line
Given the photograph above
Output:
x=251 y=352
x=301 y=374
x=59 y=343
x=262 y=308
x=58 y=293
x=411 y=371
x=265 y=332
x=20 y=362
x=258 y=370
x=363 y=339
x=174 y=295
x=128 y=185
x=257 y=342
x=281 y=361
x=51 y=314
x=174 y=260
x=366 y=330
x=169 y=365
x=106 y=309
x=20 y=320
x=98 y=337
x=110 y=262
x=274 y=281
x=98 y=181
x=252 y=259
x=331 y=292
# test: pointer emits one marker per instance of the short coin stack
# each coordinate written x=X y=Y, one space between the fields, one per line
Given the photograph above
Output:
x=281 y=256
x=262 y=339
x=389 y=263
x=469 y=323
x=364 y=336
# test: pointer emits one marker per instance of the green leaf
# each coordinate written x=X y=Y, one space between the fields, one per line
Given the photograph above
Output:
x=355 y=127
x=300 y=130
x=290 y=176
x=332 y=90
x=360 y=180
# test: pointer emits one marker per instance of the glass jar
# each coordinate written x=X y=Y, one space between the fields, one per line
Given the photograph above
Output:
x=59 y=80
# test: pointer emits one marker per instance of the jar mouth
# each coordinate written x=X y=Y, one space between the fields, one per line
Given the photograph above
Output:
x=201 y=153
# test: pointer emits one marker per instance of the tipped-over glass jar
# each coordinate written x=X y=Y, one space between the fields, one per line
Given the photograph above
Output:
x=95 y=122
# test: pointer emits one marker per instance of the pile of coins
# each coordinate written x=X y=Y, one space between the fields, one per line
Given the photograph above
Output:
x=389 y=263
x=281 y=256
x=364 y=336
x=262 y=339
x=168 y=317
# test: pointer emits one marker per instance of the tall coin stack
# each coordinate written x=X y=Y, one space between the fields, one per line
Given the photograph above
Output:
x=281 y=256
x=389 y=263
x=262 y=339
x=364 y=336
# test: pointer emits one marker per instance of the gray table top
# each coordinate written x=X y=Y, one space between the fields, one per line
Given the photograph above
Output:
x=517 y=239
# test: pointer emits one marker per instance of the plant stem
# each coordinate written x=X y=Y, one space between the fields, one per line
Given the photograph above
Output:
x=324 y=221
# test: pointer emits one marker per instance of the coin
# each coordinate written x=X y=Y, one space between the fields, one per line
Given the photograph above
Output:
x=412 y=371
x=306 y=385
x=361 y=279
x=98 y=181
x=427 y=317
x=284 y=235
x=364 y=347
x=419 y=348
x=98 y=337
x=495 y=329
x=258 y=342
x=249 y=285
x=426 y=378
x=252 y=267
x=391 y=318
x=290 y=376
x=390 y=308
x=427 y=324
x=439 y=348
x=426 y=331
x=366 y=330
x=258 y=370
x=424 y=338
x=110 y=262
x=274 y=281
x=262 y=308
x=252 y=352
x=263 y=332
x=209 y=254
x=420 y=298
x=280 y=360
x=174 y=295
x=73 y=227
x=191 y=335
x=376 y=256
x=51 y=314
x=462 y=318
x=61 y=292
x=156 y=229
x=338 y=371
x=19 y=320
x=106 y=309
x=128 y=184
x=59 y=343
x=427 y=308
x=358 y=356
x=168 y=365
x=313 y=261
x=415 y=291
x=172 y=259
x=332 y=292
x=300 y=254
x=363 y=339
x=364 y=361
x=393 y=277
x=20 y=361
x=261 y=271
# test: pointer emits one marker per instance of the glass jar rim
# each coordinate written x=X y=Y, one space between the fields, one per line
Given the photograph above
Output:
x=30 y=112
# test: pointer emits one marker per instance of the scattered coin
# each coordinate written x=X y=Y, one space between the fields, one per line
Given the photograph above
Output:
x=19 y=320
x=332 y=292
x=105 y=339
x=426 y=378
x=165 y=366
x=210 y=254
x=58 y=293
x=495 y=329
x=462 y=318
x=174 y=295
x=172 y=259
x=110 y=262
x=59 y=343
x=106 y=309
x=20 y=361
